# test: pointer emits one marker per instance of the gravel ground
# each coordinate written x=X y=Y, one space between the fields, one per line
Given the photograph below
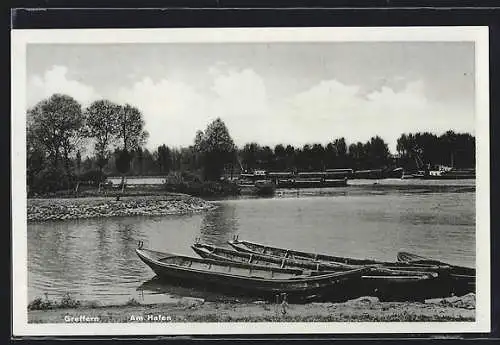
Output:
x=93 y=207
x=199 y=310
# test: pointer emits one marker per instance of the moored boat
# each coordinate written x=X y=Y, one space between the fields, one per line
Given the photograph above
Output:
x=225 y=254
x=451 y=279
x=220 y=253
x=369 y=174
x=462 y=278
x=417 y=175
x=379 y=281
x=449 y=173
x=262 y=281
x=283 y=253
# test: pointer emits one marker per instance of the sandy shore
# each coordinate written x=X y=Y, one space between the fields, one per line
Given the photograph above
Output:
x=197 y=310
x=93 y=207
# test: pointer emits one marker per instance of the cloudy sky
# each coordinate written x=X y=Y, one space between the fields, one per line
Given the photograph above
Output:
x=291 y=93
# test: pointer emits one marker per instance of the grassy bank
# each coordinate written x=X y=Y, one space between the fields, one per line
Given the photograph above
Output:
x=204 y=189
x=198 y=310
x=193 y=188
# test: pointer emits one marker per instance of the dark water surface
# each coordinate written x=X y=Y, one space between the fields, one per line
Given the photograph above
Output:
x=95 y=259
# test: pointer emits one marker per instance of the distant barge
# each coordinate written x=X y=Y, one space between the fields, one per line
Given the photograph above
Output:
x=442 y=174
x=264 y=180
x=313 y=179
x=450 y=174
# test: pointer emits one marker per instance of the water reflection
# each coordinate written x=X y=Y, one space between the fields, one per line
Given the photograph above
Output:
x=220 y=225
x=95 y=258
x=157 y=289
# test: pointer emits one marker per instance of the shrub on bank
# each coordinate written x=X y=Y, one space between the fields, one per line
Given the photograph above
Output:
x=203 y=189
x=132 y=302
x=41 y=304
x=192 y=184
x=66 y=302
x=50 y=180
x=92 y=178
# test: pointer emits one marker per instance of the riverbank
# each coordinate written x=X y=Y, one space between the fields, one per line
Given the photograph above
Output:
x=95 y=207
x=198 y=310
x=194 y=188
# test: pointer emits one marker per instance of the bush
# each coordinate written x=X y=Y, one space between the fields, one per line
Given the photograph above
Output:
x=132 y=302
x=190 y=177
x=40 y=304
x=92 y=177
x=203 y=189
x=50 y=180
x=174 y=178
x=44 y=303
x=68 y=302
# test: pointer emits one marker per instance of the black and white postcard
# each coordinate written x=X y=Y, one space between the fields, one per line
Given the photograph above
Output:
x=246 y=181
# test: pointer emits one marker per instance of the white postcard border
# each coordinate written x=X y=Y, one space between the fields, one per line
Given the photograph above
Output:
x=20 y=39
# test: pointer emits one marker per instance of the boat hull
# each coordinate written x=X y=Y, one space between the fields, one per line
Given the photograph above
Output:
x=451 y=279
x=256 y=248
x=385 y=283
x=458 y=279
x=296 y=286
x=450 y=177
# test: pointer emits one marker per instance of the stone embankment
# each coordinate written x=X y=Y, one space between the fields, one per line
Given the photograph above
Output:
x=80 y=208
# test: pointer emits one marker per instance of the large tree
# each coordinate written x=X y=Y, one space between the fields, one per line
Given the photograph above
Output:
x=317 y=157
x=265 y=157
x=341 y=150
x=331 y=155
x=57 y=124
x=132 y=135
x=357 y=156
x=131 y=130
x=420 y=150
x=377 y=152
x=216 y=148
x=163 y=159
x=35 y=156
x=279 y=157
x=249 y=155
x=290 y=158
x=102 y=126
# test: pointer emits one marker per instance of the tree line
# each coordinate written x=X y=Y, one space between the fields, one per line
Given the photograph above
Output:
x=58 y=131
x=415 y=151
x=68 y=144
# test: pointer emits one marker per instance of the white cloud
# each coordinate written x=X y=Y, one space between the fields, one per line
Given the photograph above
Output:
x=241 y=101
x=172 y=110
x=332 y=109
x=175 y=110
x=55 y=80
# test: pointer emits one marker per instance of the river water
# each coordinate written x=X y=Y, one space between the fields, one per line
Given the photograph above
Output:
x=94 y=259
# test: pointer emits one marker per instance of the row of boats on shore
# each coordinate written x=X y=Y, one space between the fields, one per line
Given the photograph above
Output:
x=265 y=271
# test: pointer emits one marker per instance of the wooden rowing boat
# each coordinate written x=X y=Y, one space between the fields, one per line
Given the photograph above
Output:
x=262 y=281
x=417 y=259
x=379 y=281
x=283 y=253
x=210 y=251
x=462 y=278
x=455 y=280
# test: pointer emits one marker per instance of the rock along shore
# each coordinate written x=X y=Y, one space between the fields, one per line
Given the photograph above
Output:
x=95 y=207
